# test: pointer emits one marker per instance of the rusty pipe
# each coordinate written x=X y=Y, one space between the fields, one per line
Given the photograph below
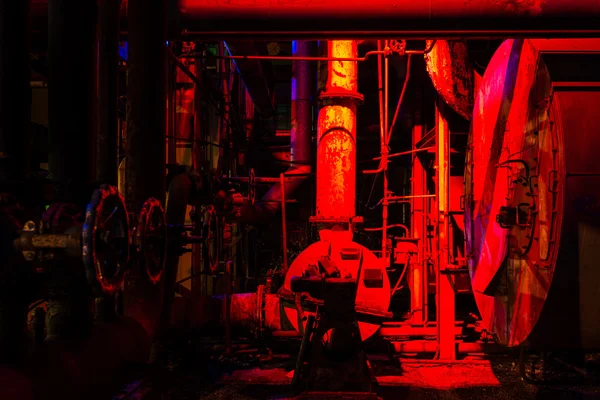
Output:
x=336 y=134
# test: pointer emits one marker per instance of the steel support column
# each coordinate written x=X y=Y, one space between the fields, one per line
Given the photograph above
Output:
x=71 y=96
x=15 y=94
x=418 y=273
x=107 y=83
x=445 y=300
x=146 y=98
x=146 y=141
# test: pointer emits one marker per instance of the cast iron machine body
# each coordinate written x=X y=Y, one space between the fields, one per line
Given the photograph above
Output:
x=332 y=339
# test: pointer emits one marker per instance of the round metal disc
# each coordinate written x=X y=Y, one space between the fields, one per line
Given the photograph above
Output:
x=512 y=192
x=377 y=299
x=151 y=239
x=105 y=238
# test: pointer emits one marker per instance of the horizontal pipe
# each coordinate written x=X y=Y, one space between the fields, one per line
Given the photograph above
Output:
x=392 y=18
x=296 y=58
x=431 y=346
x=399 y=10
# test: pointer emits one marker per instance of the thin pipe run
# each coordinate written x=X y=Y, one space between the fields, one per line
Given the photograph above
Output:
x=384 y=161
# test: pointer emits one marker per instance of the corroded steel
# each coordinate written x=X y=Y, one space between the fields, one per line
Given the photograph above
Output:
x=336 y=135
x=452 y=74
x=530 y=243
x=332 y=243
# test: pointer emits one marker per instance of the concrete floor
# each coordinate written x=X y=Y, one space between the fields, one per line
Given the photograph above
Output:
x=200 y=375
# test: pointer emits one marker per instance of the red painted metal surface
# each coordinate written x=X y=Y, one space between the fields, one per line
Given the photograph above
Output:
x=514 y=151
x=452 y=74
x=332 y=242
x=445 y=295
x=336 y=135
x=402 y=9
x=341 y=19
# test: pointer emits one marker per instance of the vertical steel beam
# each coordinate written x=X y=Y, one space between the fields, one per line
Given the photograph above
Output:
x=146 y=97
x=445 y=300
x=107 y=84
x=146 y=144
x=71 y=96
x=418 y=270
x=15 y=94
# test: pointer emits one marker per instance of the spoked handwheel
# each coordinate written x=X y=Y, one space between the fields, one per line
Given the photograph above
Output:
x=105 y=239
x=151 y=240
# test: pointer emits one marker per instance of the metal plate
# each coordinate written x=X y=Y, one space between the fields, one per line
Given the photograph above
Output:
x=377 y=299
x=514 y=162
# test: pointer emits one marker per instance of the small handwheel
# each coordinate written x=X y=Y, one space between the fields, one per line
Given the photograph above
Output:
x=151 y=240
x=105 y=240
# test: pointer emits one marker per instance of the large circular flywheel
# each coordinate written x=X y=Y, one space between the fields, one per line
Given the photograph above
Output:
x=106 y=241
x=151 y=240
x=514 y=177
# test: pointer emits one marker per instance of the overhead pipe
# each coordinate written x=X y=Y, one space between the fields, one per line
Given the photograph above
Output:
x=300 y=135
x=262 y=19
x=341 y=19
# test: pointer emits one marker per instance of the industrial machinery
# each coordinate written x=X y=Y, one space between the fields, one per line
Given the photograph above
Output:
x=530 y=196
x=245 y=188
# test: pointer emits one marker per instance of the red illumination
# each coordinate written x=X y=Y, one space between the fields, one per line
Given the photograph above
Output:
x=336 y=133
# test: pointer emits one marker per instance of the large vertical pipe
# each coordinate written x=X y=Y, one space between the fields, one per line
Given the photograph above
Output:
x=146 y=98
x=146 y=138
x=15 y=95
x=71 y=116
x=107 y=84
x=14 y=119
x=302 y=88
x=301 y=132
x=71 y=96
x=336 y=135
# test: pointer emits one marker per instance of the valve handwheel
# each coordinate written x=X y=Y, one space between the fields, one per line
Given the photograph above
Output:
x=151 y=240
x=105 y=240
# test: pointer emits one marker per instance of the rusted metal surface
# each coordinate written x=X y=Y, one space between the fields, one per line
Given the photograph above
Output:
x=332 y=243
x=527 y=254
x=336 y=134
x=340 y=19
x=452 y=74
